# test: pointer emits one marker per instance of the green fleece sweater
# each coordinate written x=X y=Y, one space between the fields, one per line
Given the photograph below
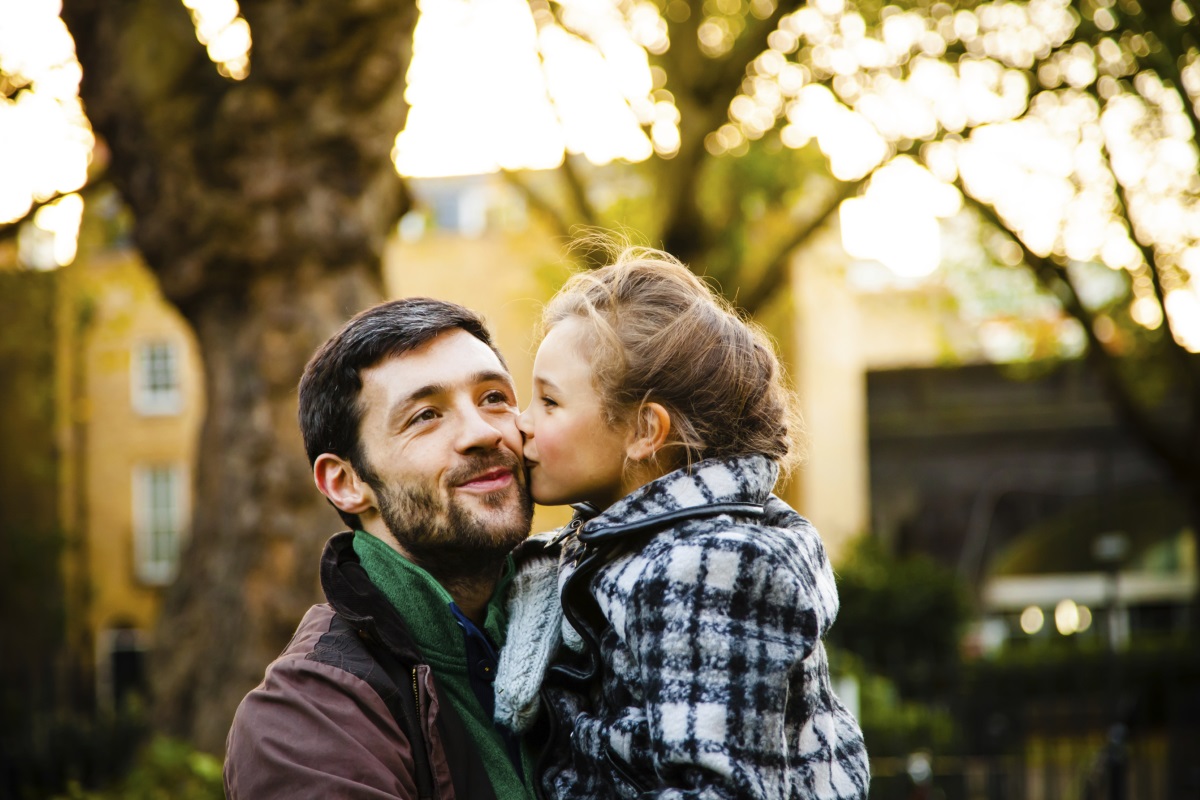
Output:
x=425 y=606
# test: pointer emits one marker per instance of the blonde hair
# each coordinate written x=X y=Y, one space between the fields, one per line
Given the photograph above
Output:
x=658 y=334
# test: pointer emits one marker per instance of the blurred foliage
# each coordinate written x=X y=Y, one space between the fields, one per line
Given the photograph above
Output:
x=165 y=769
x=1105 y=92
x=901 y=616
x=56 y=750
x=31 y=539
x=892 y=725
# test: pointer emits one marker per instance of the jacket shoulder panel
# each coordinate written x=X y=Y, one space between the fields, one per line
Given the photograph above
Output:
x=312 y=729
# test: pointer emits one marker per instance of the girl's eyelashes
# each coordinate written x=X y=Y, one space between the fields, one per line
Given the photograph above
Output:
x=548 y=403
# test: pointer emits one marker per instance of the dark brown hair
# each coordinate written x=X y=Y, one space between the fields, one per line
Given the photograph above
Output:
x=657 y=333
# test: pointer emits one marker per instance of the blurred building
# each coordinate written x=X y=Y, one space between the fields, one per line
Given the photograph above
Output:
x=1031 y=488
x=124 y=404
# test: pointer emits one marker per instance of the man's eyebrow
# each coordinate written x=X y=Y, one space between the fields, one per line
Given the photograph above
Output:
x=428 y=390
x=492 y=376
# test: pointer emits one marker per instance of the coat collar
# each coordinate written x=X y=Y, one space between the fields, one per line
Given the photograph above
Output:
x=714 y=486
x=350 y=592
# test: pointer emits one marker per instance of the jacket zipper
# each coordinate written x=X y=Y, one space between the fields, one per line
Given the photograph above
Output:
x=624 y=769
x=416 y=694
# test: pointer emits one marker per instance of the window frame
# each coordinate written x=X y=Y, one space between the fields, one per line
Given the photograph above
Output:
x=152 y=566
x=152 y=398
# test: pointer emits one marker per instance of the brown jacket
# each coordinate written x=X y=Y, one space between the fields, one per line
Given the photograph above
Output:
x=335 y=717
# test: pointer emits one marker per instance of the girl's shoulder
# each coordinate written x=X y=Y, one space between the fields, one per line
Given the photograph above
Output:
x=780 y=539
x=780 y=531
x=767 y=565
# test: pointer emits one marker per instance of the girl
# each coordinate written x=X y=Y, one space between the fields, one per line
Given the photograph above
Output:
x=695 y=601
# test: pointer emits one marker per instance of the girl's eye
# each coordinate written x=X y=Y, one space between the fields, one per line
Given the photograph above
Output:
x=548 y=403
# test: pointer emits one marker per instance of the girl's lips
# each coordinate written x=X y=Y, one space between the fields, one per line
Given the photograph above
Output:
x=489 y=481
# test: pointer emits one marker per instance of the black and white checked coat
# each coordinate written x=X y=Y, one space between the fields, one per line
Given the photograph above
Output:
x=713 y=680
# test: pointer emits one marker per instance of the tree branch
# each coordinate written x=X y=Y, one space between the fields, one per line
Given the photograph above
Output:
x=578 y=191
x=13 y=86
x=1058 y=282
x=728 y=71
x=9 y=230
x=538 y=203
x=1166 y=60
x=775 y=274
x=1179 y=353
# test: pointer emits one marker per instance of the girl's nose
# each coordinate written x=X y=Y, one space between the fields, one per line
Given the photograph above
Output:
x=525 y=423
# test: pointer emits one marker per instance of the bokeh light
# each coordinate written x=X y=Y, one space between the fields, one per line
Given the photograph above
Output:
x=896 y=220
x=1032 y=620
x=1066 y=617
x=505 y=84
x=45 y=139
x=1043 y=157
x=224 y=33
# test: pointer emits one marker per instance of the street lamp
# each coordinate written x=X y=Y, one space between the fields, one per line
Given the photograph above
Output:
x=1110 y=549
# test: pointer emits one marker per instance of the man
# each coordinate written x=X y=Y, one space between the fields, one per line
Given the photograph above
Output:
x=409 y=419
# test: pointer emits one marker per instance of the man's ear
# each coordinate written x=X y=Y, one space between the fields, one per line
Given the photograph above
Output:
x=338 y=481
x=650 y=433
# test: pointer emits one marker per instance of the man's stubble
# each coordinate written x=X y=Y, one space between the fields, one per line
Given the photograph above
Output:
x=444 y=537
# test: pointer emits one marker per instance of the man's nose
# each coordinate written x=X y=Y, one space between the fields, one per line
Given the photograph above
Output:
x=478 y=431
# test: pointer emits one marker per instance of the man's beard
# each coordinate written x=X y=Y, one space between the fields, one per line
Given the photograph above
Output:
x=445 y=538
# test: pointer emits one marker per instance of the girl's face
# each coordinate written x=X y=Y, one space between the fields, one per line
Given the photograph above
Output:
x=572 y=453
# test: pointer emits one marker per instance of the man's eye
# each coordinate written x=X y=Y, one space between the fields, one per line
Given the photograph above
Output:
x=424 y=416
x=495 y=397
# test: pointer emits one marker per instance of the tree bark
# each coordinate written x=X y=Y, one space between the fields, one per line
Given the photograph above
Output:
x=262 y=206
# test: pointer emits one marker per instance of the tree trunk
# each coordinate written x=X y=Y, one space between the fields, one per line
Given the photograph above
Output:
x=262 y=206
x=251 y=568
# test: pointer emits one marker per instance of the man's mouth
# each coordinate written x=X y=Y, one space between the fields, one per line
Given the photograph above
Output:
x=489 y=481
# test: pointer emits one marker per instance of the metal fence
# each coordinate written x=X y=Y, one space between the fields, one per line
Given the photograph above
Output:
x=1082 y=729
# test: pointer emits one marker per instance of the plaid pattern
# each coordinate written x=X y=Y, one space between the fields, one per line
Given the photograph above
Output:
x=715 y=681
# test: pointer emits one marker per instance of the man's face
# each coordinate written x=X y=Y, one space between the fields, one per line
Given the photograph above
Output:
x=443 y=455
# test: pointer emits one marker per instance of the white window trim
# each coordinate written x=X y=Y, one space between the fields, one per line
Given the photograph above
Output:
x=158 y=572
x=156 y=403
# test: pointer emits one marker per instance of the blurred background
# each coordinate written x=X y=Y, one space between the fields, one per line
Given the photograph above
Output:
x=972 y=228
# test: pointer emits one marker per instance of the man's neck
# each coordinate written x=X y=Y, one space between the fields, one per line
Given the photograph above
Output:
x=471 y=595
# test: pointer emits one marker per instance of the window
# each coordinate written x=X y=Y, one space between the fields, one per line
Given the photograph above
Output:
x=160 y=515
x=156 y=379
x=459 y=207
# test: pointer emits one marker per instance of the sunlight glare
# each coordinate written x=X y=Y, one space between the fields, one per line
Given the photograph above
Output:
x=225 y=34
x=61 y=219
x=481 y=100
x=895 y=221
x=1183 y=307
x=45 y=140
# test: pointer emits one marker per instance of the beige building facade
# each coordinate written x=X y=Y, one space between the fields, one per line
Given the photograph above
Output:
x=131 y=403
